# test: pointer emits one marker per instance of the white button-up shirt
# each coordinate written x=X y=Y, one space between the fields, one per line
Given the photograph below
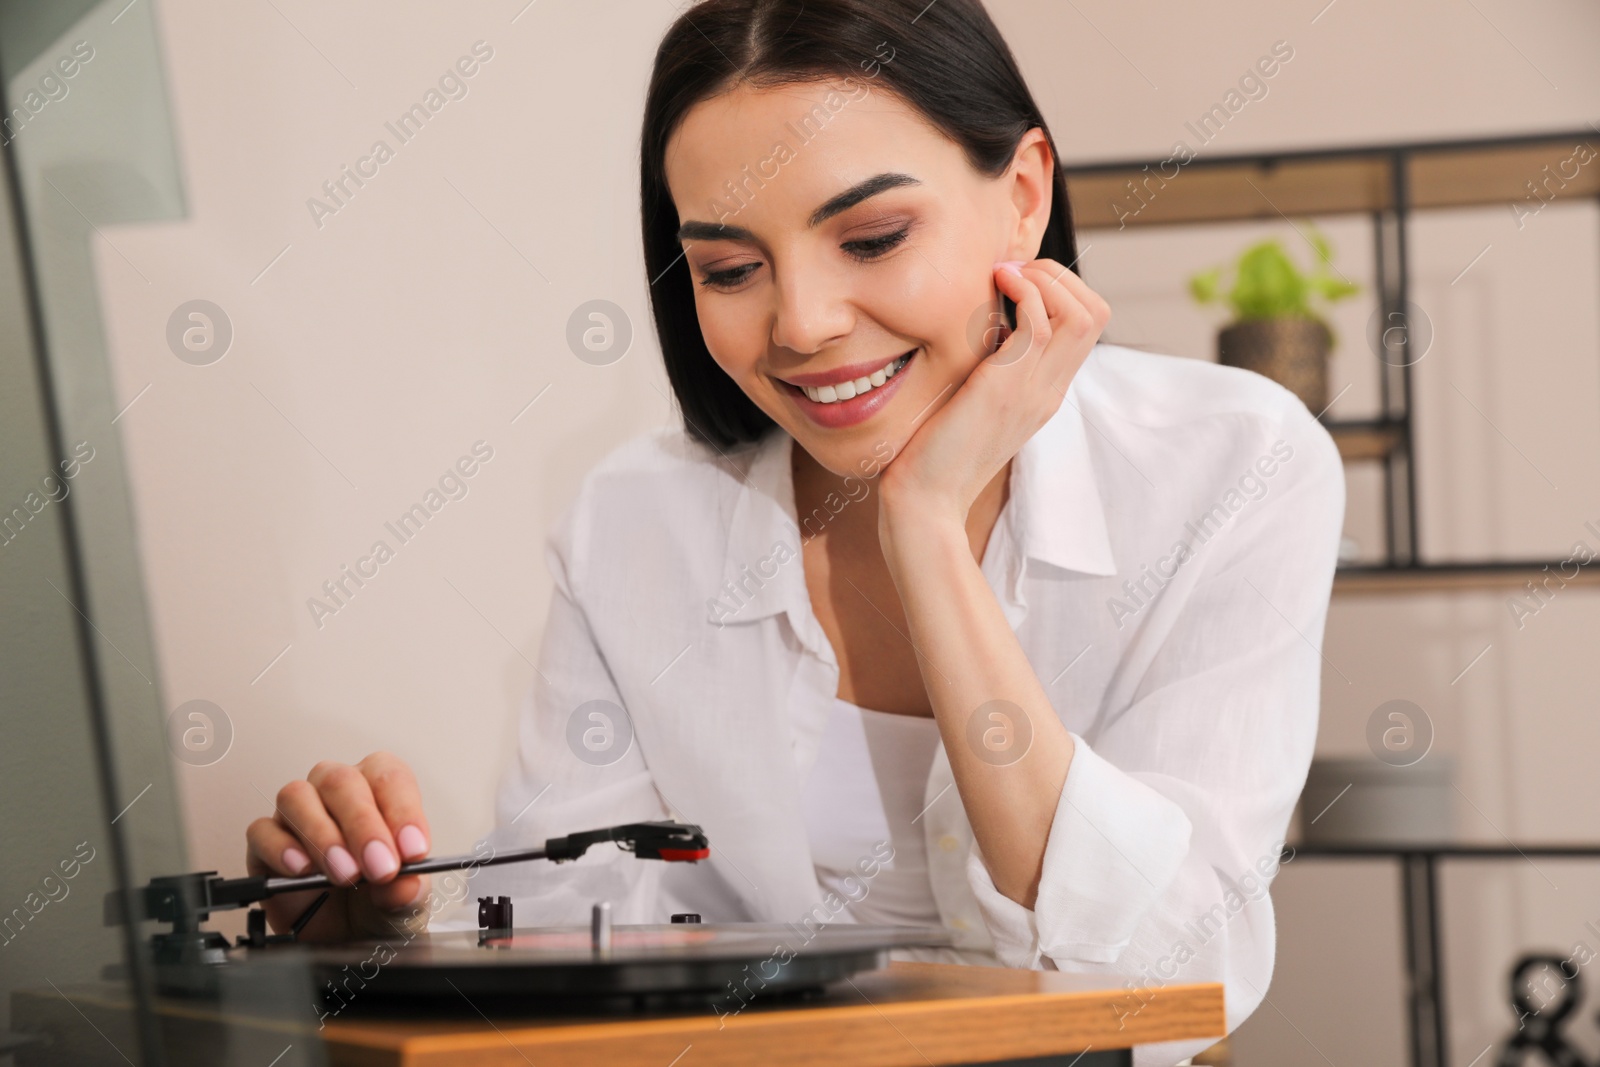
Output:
x=1165 y=559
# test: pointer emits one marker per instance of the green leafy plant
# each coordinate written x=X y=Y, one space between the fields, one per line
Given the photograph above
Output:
x=1268 y=285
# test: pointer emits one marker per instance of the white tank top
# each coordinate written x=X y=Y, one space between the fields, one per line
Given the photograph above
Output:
x=862 y=802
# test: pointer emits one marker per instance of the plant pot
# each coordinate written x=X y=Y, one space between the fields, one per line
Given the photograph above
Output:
x=1291 y=351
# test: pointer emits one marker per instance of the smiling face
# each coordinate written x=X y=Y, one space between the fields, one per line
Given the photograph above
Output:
x=849 y=286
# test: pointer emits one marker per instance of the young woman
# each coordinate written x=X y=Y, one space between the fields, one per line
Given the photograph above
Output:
x=937 y=610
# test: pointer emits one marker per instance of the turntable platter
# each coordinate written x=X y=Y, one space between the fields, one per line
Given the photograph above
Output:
x=559 y=963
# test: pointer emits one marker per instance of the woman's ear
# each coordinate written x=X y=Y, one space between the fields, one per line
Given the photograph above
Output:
x=1032 y=191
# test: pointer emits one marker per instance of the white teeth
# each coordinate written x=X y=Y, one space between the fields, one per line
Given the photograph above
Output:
x=828 y=394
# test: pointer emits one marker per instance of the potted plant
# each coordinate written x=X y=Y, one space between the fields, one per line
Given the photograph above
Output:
x=1275 y=330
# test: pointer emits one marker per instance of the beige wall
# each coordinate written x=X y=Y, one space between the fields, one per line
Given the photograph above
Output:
x=373 y=351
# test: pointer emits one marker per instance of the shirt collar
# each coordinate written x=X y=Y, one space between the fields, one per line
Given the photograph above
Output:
x=1059 y=515
x=762 y=570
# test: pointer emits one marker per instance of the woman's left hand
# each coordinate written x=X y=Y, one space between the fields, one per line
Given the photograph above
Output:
x=1010 y=394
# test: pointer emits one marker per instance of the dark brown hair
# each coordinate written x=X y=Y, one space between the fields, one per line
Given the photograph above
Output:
x=949 y=62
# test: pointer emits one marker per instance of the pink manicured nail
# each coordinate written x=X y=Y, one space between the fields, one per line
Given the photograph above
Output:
x=341 y=865
x=380 y=862
x=412 y=843
x=296 y=861
x=1012 y=265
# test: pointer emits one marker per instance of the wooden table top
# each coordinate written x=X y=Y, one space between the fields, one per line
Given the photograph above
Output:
x=904 y=1015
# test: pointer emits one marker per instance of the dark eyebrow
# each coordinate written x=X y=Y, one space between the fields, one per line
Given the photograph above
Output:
x=717 y=231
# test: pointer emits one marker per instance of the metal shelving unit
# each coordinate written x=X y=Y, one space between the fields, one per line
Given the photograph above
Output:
x=1419 y=891
x=1387 y=183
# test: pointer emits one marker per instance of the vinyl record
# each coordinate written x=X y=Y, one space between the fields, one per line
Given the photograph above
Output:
x=558 y=963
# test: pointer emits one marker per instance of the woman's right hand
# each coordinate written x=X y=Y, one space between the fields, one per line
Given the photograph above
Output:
x=352 y=823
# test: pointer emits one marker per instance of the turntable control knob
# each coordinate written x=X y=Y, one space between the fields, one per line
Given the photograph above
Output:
x=686 y=917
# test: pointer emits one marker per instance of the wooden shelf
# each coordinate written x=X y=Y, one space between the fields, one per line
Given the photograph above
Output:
x=1334 y=181
x=1466 y=177
x=1223 y=191
x=1359 y=441
x=1436 y=577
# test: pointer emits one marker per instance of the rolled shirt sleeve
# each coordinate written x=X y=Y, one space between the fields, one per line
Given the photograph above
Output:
x=1170 y=824
x=1115 y=847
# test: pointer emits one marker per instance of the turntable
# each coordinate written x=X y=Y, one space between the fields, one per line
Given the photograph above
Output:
x=566 y=996
x=624 y=966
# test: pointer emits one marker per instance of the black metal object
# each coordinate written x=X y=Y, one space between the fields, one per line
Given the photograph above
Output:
x=1393 y=275
x=1530 y=567
x=494 y=914
x=1419 y=888
x=256 y=936
x=1394 y=290
x=1419 y=898
x=1537 y=1029
x=1401 y=468
x=686 y=917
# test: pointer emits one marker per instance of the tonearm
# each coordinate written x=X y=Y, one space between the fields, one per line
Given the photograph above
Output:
x=186 y=900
